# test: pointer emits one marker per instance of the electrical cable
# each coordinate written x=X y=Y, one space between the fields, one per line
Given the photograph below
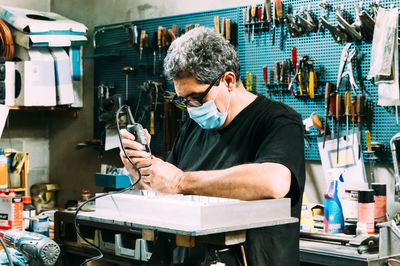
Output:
x=7 y=252
x=107 y=194
x=392 y=260
x=6 y=42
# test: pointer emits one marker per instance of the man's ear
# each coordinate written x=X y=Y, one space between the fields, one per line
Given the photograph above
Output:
x=230 y=80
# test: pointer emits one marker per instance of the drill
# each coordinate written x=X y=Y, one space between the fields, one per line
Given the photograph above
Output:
x=36 y=248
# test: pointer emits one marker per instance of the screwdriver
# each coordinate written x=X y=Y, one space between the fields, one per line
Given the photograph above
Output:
x=248 y=80
x=369 y=150
x=154 y=51
x=228 y=29
x=268 y=11
x=175 y=30
x=277 y=71
x=127 y=70
x=317 y=122
x=294 y=57
x=141 y=43
x=248 y=21
x=253 y=19
x=332 y=100
x=353 y=114
x=284 y=67
x=159 y=35
x=347 y=107
x=254 y=84
x=328 y=89
x=360 y=113
x=338 y=114
x=172 y=35
x=265 y=75
x=312 y=83
x=223 y=27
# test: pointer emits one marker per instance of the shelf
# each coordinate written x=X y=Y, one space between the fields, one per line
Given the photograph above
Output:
x=74 y=111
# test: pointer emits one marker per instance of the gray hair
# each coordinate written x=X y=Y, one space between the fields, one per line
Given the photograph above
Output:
x=202 y=53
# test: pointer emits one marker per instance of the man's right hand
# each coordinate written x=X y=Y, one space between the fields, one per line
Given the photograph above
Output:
x=137 y=155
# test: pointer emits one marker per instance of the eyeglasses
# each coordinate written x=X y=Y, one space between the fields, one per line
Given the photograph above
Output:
x=198 y=101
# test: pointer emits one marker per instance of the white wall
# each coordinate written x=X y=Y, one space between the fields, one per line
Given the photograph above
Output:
x=43 y=5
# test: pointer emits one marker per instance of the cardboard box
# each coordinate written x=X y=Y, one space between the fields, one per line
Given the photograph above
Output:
x=11 y=213
x=40 y=22
x=10 y=83
x=37 y=77
x=65 y=93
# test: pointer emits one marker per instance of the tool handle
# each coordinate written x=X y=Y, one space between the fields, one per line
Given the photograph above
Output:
x=172 y=35
x=137 y=130
x=332 y=100
x=142 y=38
x=368 y=140
x=312 y=84
x=248 y=80
x=328 y=89
x=360 y=110
x=271 y=76
x=248 y=14
x=159 y=35
x=152 y=131
x=254 y=83
x=317 y=122
x=277 y=71
x=347 y=103
x=338 y=105
x=294 y=57
x=284 y=66
x=268 y=10
x=228 y=23
x=253 y=13
x=265 y=74
x=279 y=9
x=217 y=24
x=175 y=30
x=353 y=111
x=223 y=27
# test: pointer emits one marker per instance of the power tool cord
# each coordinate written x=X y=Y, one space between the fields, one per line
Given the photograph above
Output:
x=107 y=194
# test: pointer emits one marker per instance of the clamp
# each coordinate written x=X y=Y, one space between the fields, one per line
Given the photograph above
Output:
x=345 y=60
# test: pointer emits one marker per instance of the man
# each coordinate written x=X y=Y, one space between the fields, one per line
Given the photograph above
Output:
x=236 y=144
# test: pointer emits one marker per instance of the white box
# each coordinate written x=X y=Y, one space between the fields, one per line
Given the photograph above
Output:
x=40 y=22
x=65 y=93
x=37 y=77
x=48 y=40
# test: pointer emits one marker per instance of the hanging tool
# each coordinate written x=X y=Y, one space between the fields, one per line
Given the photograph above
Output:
x=317 y=123
x=360 y=113
x=371 y=155
x=332 y=100
x=271 y=77
x=347 y=108
x=263 y=16
x=248 y=17
x=284 y=68
x=338 y=33
x=141 y=43
x=217 y=24
x=353 y=30
x=294 y=57
x=127 y=70
x=353 y=115
x=159 y=35
x=228 y=23
x=312 y=82
x=223 y=27
x=253 y=19
x=254 y=84
x=328 y=89
x=338 y=114
x=265 y=75
x=346 y=60
x=248 y=80
x=274 y=21
x=154 y=41
x=279 y=17
x=172 y=35
x=277 y=71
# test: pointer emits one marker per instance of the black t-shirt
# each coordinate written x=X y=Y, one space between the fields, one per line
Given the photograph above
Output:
x=265 y=131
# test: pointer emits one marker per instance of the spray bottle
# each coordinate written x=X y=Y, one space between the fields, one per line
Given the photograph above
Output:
x=333 y=212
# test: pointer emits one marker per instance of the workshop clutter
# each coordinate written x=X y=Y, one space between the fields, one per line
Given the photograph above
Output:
x=13 y=169
x=48 y=51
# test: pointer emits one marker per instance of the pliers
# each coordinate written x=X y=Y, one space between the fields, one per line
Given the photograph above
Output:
x=345 y=60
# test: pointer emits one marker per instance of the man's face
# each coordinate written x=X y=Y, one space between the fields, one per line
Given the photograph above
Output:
x=188 y=88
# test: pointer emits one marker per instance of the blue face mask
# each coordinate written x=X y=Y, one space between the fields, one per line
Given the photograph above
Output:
x=208 y=116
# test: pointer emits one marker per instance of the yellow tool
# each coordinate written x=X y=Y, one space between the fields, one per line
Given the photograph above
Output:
x=347 y=107
x=248 y=80
x=368 y=140
x=312 y=83
x=217 y=24
x=300 y=83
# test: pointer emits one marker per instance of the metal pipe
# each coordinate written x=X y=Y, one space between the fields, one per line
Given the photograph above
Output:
x=326 y=237
x=395 y=165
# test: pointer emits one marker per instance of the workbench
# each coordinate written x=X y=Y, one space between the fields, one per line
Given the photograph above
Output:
x=112 y=232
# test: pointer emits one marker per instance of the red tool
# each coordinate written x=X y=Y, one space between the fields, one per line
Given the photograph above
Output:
x=265 y=73
x=294 y=58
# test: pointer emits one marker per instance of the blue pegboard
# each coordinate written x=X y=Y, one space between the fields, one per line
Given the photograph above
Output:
x=253 y=56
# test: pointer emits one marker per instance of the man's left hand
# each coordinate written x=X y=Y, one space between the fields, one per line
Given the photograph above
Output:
x=162 y=176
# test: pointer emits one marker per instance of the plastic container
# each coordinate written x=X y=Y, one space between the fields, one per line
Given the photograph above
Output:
x=350 y=204
x=90 y=206
x=3 y=170
x=306 y=219
x=366 y=209
x=380 y=201
x=333 y=212
x=29 y=212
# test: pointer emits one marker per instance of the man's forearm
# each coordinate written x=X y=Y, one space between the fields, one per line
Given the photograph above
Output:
x=244 y=182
